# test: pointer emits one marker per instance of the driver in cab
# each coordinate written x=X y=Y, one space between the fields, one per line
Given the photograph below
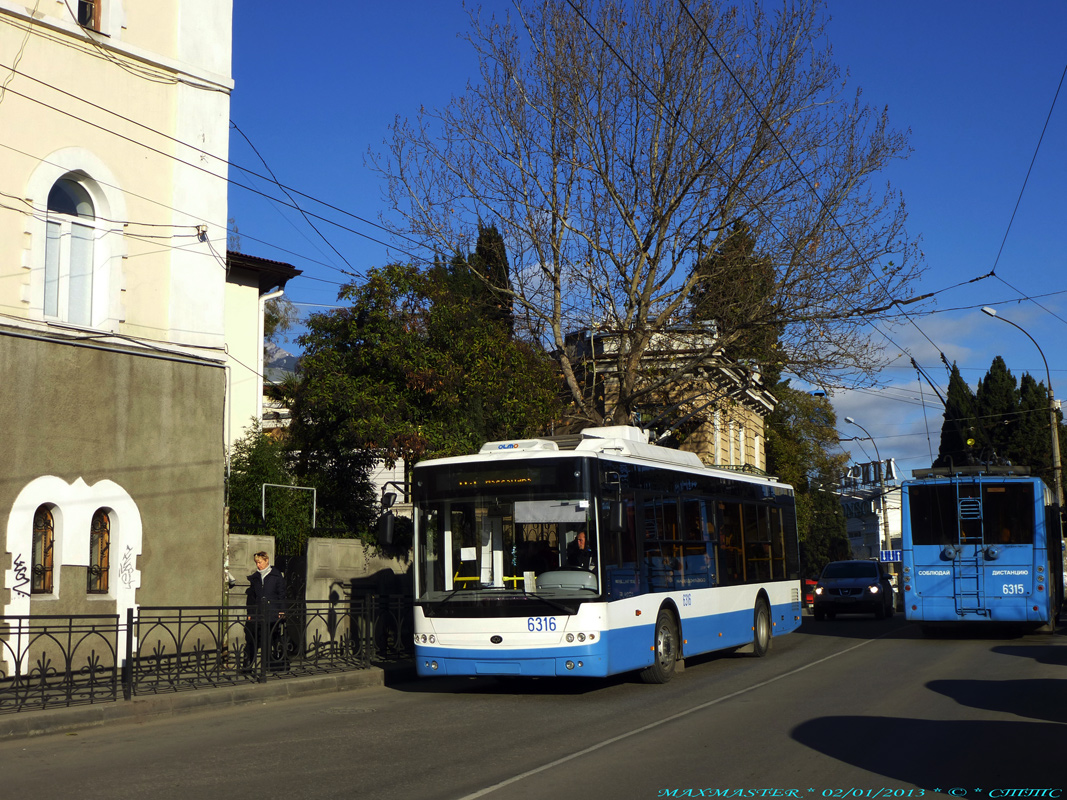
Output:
x=578 y=553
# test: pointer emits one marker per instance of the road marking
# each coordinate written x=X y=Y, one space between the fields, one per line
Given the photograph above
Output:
x=600 y=745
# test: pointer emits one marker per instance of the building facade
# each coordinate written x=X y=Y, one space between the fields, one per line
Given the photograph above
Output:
x=714 y=407
x=113 y=290
x=872 y=508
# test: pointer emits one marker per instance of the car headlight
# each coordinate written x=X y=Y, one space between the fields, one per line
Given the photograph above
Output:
x=874 y=588
x=818 y=590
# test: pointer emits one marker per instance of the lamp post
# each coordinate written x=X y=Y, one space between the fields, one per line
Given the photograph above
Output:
x=1057 y=472
x=881 y=482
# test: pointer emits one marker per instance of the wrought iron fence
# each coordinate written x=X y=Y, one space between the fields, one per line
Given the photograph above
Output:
x=48 y=661
x=63 y=661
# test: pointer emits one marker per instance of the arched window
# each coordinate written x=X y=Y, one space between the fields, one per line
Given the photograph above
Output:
x=99 y=560
x=68 y=253
x=44 y=540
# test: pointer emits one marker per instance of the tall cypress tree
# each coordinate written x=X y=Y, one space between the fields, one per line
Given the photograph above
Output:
x=958 y=429
x=1032 y=443
x=490 y=260
x=735 y=289
x=483 y=278
x=997 y=411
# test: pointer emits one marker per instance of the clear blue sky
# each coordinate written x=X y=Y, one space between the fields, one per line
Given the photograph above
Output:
x=974 y=81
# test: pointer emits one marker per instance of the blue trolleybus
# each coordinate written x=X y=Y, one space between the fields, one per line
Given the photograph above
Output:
x=981 y=545
x=678 y=559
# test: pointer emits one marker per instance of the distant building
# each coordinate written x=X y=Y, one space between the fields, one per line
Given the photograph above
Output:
x=866 y=512
x=250 y=283
x=716 y=410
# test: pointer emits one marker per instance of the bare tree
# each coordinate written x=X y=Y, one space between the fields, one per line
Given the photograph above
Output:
x=614 y=144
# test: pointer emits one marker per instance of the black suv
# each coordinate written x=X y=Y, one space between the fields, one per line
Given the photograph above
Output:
x=853 y=587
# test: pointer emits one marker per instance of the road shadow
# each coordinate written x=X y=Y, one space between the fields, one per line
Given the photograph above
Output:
x=852 y=626
x=507 y=685
x=1038 y=698
x=941 y=755
x=1042 y=654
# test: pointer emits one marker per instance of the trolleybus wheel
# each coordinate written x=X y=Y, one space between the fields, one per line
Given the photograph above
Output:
x=665 y=647
x=761 y=629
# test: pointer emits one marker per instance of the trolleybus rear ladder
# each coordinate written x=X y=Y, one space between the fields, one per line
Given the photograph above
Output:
x=966 y=566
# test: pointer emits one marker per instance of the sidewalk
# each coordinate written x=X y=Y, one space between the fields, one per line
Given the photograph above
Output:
x=29 y=723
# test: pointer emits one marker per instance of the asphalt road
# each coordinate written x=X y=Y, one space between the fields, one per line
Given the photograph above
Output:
x=849 y=708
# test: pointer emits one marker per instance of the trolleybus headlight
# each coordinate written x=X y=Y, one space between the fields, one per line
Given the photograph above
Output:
x=570 y=665
x=570 y=638
x=581 y=637
x=433 y=665
x=432 y=638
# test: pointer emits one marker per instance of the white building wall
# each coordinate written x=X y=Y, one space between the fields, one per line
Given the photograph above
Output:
x=163 y=68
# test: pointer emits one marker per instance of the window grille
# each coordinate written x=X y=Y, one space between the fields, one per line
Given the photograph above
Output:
x=44 y=539
x=99 y=558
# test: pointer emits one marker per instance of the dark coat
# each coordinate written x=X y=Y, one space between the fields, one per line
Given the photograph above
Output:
x=272 y=590
x=579 y=558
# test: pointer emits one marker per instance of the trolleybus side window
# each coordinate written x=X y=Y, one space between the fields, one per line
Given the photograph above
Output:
x=618 y=550
x=662 y=543
x=697 y=562
x=757 y=543
x=731 y=554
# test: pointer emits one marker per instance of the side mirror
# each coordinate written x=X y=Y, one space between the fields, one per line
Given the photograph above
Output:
x=388 y=500
x=385 y=528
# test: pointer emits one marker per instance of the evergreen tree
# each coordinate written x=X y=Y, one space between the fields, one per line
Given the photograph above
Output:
x=1031 y=443
x=411 y=368
x=735 y=289
x=996 y=411
x=1002 y=421
x=490 y=261
x=957 y=431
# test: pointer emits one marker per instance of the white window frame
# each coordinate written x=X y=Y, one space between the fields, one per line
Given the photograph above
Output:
x=106 y=309
x=70 y=259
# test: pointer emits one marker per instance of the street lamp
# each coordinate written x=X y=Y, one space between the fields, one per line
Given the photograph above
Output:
x=881 y=482
x=1057 y=472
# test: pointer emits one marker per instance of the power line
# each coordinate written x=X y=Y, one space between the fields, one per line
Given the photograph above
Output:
x=804 y=177
x=288 y=190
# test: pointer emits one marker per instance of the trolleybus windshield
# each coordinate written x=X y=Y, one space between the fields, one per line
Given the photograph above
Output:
x=972 y=512
x=506 y=529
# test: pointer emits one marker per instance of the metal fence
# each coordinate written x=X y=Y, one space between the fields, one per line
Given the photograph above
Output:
x=57 y=661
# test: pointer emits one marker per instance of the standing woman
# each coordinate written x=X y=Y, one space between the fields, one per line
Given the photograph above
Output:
x=266 y=596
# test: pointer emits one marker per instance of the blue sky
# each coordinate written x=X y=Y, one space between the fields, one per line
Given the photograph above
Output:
x=973 y=81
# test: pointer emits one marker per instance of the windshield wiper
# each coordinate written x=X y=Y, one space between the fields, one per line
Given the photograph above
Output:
x=454 y=592
x=550 y=602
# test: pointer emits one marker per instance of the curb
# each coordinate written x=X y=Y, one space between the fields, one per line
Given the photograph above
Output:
x=25 y=724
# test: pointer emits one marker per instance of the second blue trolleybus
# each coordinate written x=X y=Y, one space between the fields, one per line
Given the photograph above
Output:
x=981 y=545
x=596 y=554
